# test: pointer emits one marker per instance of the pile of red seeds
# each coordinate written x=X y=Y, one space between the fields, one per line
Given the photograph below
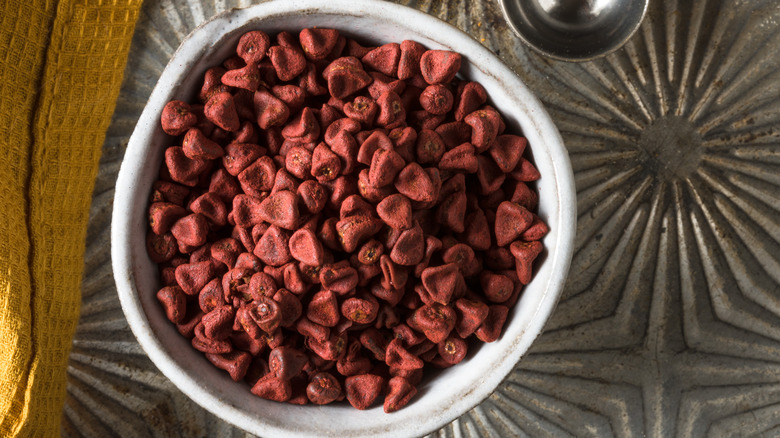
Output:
x=334 y=219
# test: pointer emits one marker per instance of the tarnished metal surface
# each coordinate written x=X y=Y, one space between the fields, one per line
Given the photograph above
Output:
x=670 y=321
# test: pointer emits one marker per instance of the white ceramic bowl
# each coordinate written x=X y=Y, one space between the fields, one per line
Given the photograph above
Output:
x=453 y=391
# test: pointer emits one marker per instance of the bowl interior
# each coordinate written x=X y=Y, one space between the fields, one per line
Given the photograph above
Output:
x=453 y=391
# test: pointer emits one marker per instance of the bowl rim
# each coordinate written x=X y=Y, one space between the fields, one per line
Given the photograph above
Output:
x=124 y=251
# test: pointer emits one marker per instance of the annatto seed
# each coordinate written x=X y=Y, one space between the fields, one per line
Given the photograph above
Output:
x=331 y=215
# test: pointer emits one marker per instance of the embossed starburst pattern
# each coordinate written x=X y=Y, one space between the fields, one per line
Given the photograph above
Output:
x=670 y=321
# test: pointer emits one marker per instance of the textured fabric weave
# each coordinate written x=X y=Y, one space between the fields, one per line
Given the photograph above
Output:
x=61 y=66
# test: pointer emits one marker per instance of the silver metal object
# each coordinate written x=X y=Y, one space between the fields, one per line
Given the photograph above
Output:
x=574 y=30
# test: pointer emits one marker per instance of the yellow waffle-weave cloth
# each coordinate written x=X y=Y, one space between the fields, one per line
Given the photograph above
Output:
x=61 y=66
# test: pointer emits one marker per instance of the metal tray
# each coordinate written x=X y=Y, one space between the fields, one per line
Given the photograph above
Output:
x=670 y=321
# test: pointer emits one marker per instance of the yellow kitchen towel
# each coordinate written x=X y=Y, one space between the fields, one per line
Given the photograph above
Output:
x=61 y=66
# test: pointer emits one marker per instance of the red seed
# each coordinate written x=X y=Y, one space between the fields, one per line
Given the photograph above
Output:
x=511 y=221
x=525 y=253
x=271 y=111
x=182 y=169
x=362 y=109
x=409 y=249
x=361 y=310
x=399 y=392
x=353 y=48
x=507 y=150
x=354 y=230
x=339 y=277
x=430 y=147
x=286 y=362
x=472 y=96
x=354 y=205
x=525 y=171
x=211 y=296
x=443 y=282
x=404 y=141
x=347 y=125
x=439 y=66
x=471 y=314
x=253 y=45
x=306 y=248
x=384 y=58
x=536 y=231
x=196 y=145
x=210 y=206
x=318 y=43
x=236 y=363
x=452 y=350
x=212 y=346
x=399 y=357
x=385 y=165
x=246 y=212
x=304 y=128
x=280 y=209
x=391 y=109
x=246 y=77
x=221 y=111
x=353 y=362
x=313 y=196
x=345 y=147
x=409 y=61
x=271 y=387
x=273 y=248
x=308 y=81
x=452 y=212
x=212 y=79
x=162 y=216
x=462 y=158
x=414 y=182
x=345 y=76
x=383 y=83
x=323 y=388
x=437 y=99
x=265 y=314
x=331 y=349
x=262 y=285
x=284 y=181
x=363 y=390
x=484 y=128
x=218 y=323
x=454 y=133
x=161 y=248
x=524 y=196
x=435 y=320
x=174 y=302
x=311 y=329
x=288 y=62
x=325 y=165
x=238 y=156
x=191 y=230
x=496 y=288
x=323 y=309
x=395 y=276
x=290 y=307
x=490 y=330
x=396 y=211
x=177 y=117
